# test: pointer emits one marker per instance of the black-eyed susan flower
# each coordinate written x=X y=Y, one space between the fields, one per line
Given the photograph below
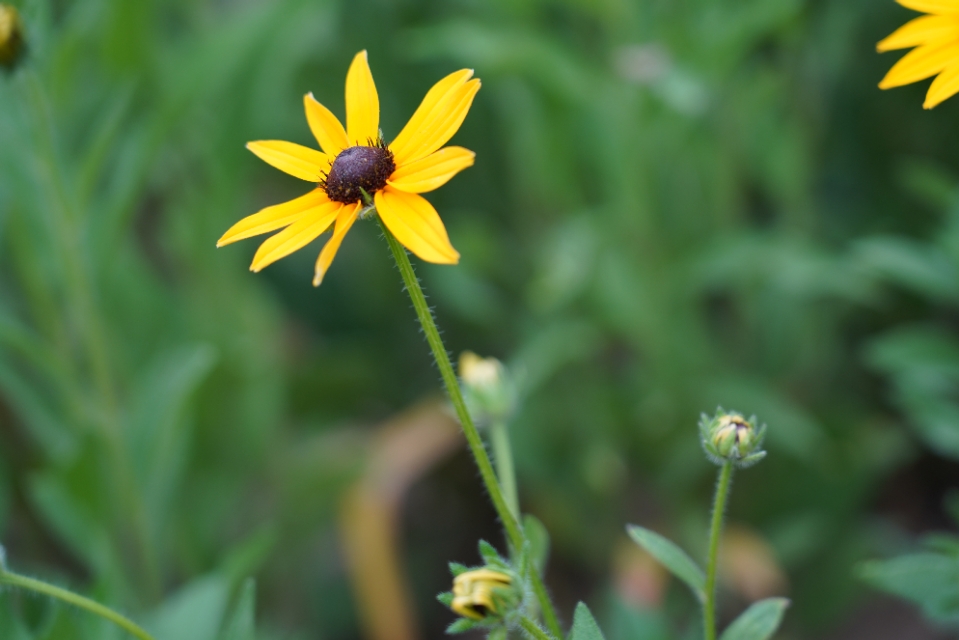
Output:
x=935 y=37
x=356 y=168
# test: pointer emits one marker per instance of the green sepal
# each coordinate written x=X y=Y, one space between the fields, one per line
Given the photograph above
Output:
x=456 y=568
x=584 y=625
x=758 y=622
x=462 y=625
x=445 y=598
x=672 y=557
x=489 y=553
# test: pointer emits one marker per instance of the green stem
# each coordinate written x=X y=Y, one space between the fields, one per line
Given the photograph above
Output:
x=503 y=457
x=715 y=533
x=533 y=629
x=514 y=532
x=38 y=586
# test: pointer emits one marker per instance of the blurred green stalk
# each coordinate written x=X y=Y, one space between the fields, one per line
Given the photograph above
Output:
x=38 y=586
x=503 y=457
x=514 y=532
x=715 y=533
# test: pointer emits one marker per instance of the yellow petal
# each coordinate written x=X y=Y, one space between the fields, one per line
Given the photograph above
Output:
x=275 y=217
x=362 y=103
x=939 y=7
x=344 y=220
x=325 y=127
x=921 y=63
x=920 y=31
x=416 y=225
x=296 y=236
x=944 y=86
x=434 y=105
x=298 y=161
x=433 y=171
x=436 y=132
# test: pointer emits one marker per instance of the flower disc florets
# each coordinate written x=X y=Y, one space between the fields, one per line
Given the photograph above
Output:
x=358 y=169
x=729 y=437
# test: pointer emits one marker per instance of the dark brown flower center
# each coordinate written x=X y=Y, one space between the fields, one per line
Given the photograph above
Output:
x=359 y=169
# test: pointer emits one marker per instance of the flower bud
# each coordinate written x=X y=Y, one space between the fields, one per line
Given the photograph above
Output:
x=486 y=386
x=11 y=36
x=482 y=593
x=729 y=437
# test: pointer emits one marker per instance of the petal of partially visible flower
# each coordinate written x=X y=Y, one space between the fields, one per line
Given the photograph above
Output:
x=325 y=126
x=296 y=236
x=415 y=223
x=431 y=172
x=344 y=220
x=434 y=105
x=921 y=63
x=923 y=30
x=938 y=7
x=944 y=86
x=276 y=217
x=362 y=102
x=298 y=161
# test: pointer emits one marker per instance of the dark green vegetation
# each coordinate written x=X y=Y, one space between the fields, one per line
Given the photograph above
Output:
x=675 y=205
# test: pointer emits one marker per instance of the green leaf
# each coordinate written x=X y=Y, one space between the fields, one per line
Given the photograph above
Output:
x=241 y=624
x=931 y=580
x=758 y=622
x=584 y=625
x=671 y=557
x=538 y=538
x=195 y=612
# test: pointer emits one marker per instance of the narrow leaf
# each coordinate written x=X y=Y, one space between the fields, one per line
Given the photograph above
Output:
x=584 y=625
x=671 y=557
x=241 y=625
x=758 y=622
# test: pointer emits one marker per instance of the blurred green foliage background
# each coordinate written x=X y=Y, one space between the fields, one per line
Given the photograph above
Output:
x=675 y=205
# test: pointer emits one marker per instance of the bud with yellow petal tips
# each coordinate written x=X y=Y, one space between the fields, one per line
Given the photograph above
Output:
x=729 y=437
x=487 y=387
x=479 y=593
x=488 y=597
x=11 y=36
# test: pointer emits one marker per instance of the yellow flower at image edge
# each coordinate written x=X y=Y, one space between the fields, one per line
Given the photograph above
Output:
x=936 y=40
x=356 y=162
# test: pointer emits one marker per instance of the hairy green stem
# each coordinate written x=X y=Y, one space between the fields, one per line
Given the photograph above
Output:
x=534 y=630
x=514 y=533
x=503 y=457
x=38 y=586
x=715 y=533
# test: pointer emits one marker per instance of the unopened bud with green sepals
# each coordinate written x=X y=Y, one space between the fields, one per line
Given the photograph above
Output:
x=729 y=437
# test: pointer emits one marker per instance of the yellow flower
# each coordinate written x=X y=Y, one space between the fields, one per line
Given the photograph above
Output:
x=356 y=162
x=11 y=36
x=936 y=40
x=473 y=592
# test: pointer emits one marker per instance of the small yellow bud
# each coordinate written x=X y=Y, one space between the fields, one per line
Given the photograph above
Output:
x=480 y=372
x=11 y=36
x=473 y=592
x=487 y=388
